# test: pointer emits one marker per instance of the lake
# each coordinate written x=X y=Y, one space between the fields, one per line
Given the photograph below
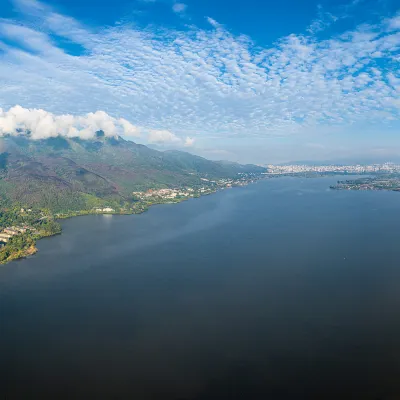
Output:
x=283 y=289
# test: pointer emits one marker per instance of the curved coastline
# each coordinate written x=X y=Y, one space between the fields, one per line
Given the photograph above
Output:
x=141 y=208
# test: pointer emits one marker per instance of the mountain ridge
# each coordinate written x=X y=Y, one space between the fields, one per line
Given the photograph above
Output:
x=72 y=173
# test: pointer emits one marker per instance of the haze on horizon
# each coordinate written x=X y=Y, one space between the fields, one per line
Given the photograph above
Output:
x=314 y=80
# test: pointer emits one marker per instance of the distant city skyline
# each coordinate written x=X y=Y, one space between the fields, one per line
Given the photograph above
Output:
x=332 y=168
x=260 y=82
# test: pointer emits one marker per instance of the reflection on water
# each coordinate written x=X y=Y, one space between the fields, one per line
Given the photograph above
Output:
x=279 y=290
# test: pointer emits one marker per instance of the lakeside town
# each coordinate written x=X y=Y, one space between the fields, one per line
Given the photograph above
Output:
x=357 y=169
x=7 y=233
x=209 y=186
x=20 y=229
x=144 y=199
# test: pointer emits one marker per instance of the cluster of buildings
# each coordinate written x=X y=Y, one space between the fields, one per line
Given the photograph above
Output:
x=169 y=194
x=165 y=193
x=227 y=182
x=209 y=187
x=345 y=169
x=7 y=233
x=222 y=182
x=104 y=210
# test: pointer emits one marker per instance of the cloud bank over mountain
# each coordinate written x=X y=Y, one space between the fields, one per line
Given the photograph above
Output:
x=42 y=124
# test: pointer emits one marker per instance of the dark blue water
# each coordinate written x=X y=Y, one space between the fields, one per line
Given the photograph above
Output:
x=280 y=290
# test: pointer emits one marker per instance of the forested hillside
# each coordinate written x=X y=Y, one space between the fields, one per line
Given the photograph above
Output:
x=73 y=174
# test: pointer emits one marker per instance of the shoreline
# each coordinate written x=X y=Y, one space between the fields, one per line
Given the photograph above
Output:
x=32 y=249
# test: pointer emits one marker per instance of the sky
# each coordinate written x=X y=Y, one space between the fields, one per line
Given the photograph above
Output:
x=249 y=81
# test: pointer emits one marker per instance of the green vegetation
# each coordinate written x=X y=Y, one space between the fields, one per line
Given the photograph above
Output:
x=19 y=246
x=45 y=180
x=72 y=175
x=28 y=226
x=379 y=182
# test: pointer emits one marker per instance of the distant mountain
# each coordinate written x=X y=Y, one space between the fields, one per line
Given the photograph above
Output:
x=201 y=165
x=71 y=173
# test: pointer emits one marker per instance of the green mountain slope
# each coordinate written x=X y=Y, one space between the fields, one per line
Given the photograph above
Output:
x=73 y=174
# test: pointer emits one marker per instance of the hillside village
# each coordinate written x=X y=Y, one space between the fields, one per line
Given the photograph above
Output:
x=209 y=186
x=169 y=194
x=19 y=230
x=7 y=233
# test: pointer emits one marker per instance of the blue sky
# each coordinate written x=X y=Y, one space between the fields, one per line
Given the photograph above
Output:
x=250 y=81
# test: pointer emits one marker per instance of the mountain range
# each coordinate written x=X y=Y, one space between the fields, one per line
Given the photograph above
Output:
x=73 y=174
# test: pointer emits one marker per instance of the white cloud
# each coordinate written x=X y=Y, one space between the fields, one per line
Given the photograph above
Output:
x=213 y=22
x=162 y=136
x=168 y=138
x=189 y=142
x=129 y=129
x=394 y=23
x=179 y=7
x=42 y=124
x=198 y=81
x=323 y=21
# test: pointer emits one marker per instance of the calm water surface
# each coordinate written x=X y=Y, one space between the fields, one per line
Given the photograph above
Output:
x=279 y=290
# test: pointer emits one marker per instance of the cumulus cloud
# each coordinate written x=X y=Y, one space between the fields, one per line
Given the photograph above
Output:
x=128 y=129
x=199 y=81
x=189 y=142
x=179 y=7
x=162 y=136
x=42 y=124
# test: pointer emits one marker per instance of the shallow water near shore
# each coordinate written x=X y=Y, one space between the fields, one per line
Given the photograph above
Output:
x=283 y=289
